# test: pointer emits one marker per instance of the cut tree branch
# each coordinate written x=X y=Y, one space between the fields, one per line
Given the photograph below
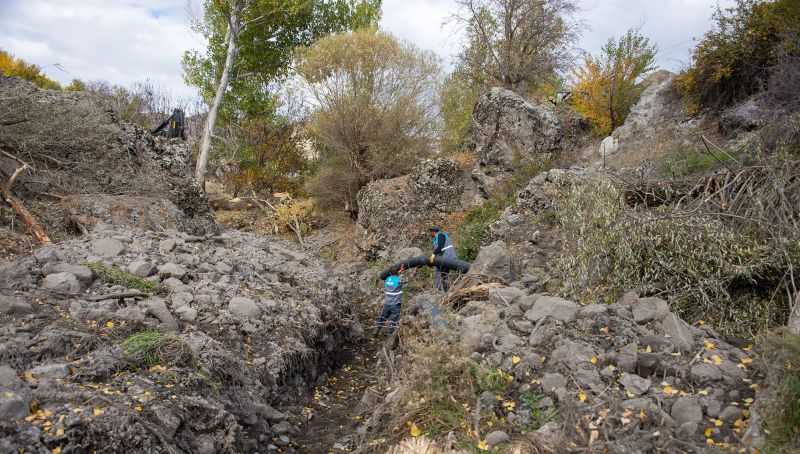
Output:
x=26 y=216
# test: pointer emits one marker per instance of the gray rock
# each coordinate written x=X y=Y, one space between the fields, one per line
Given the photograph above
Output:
x=505 y=296
x=476 y=336
x=526 y=302
x=131 y=314
x=608 y=146
x=635 y=384
x=712 y=406
x=656 y=344
x=58 y=370
x=629 y=299
x=223 y=268
x=648 y=309
x=244 y=306
x=14 y=404
x=552 y=381
x=13 y=306
x=108 y=247
x=63 y=282
x=558 y=308
x=13 y=274
x=9 y=378
x=730 y=414
x=158 y=309
x=172 y=270
x=141 y=268
x=493 y=260
x=83 y=273
x=497 y=437
x=627 y=358
x=181 y=299
x=406 y=253
x=573 y=353
x=589 y=378
x=701 y=373
x=593 y=310
x=186 y=313
x=679 y=332
x=687 y=409
x=167 y=245
x=746 y=115
x=687 y=430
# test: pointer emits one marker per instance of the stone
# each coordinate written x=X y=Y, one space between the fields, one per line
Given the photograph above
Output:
x=14 y=405
x=493 y=260
x=687 y=409
x=83 y=273
x=589 y=378
x=608 y=146
x=635 y=384
x=13 y=274
x=223 y=268
x=687 y=430
x=629 y=299
x=476 y=336
x=172 y=270
x=186 y=313
x=63 y=282
x=593 y=310
x=730 y=414
x=141 y=268
x=167 y=245
x=701 y=373
x=158 y=309
x=648 y=309
x=244 y=306
x=56 y=370
x=181 y=299
x=679 y=332
x=627 y=358
x=406 y=253
x=647 y=364
x=552 y=306
x=108 y=247
x=505 y=296
x=497 y=437
x=13 y=306
x=746 y=115
x=526 y=302
x=656 y=344
x=131 y=314
x=572 y=353
x=553 y=381
x=9 y=378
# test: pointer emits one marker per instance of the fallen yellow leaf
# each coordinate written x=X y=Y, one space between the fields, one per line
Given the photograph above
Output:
x=716 y=422
x=593 y=360
x=97 y=411
x=709 y=345
x=110 y=325
x=77 y=410
x=612 y=367
x=604 y=330
x=708 y=431
x=630 y=394
x=516 y=359
x=56 y=450
x=648 y=350
x=137 y=408
x=8 y=394
x=483 y=445
x=414 y=431
x=581 y=397
x=746 y=360
x=717 y=359
x=59 y=432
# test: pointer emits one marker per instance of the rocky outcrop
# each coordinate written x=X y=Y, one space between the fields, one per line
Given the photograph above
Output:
x=397 y=213
x=102 y=170
x=251 y=323
x=511 y=132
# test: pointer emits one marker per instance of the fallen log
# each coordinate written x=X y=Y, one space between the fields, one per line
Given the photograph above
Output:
x=26 y=216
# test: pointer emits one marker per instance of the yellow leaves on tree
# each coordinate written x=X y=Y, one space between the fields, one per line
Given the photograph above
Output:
x=605 y=87
x=291 y=214
x=17 y=67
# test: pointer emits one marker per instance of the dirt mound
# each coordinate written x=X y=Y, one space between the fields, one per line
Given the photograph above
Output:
x=77 y=150
x=135 y=341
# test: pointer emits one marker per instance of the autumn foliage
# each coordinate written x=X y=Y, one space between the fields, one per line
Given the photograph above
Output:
x=605 y=87
x=17 y=67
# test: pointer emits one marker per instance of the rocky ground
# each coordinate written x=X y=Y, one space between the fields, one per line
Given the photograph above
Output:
x=211 y=360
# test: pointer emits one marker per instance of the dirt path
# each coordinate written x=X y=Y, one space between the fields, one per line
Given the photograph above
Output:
x=332 y=409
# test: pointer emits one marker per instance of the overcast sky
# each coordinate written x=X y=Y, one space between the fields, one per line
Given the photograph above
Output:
x=124 y=41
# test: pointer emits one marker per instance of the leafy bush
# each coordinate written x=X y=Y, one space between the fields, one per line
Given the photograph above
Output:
x=607 y=86
x=688 y=162
x=457 y=98
x=733 y=61
x=469 y=235
x=708 y=268
x=17 y=67
x=150 y=348
x=539 y=416
x=116 y=276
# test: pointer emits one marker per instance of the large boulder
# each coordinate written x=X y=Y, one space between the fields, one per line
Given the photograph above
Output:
x=494 y=260
x=396 y=213
x=511 y=132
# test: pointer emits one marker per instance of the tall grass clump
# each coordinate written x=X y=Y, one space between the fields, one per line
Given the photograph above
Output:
x=781 y=354
x=116 y=276
x=149 y=348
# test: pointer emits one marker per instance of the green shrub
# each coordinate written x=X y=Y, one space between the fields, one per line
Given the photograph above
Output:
x=733 y=61
x=539 y=416
x=708 y=268
x=149 y=348
x=114 y=275
x=688 y=162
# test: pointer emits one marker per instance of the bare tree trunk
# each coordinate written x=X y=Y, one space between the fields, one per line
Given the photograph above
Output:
x=205 y=141
x=794 y=316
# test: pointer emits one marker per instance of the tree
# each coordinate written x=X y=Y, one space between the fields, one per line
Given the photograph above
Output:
x=514 y=43
x=17 y=67
x=458 y=97
x=377 y=101
x=250 y=45
x=605 y=87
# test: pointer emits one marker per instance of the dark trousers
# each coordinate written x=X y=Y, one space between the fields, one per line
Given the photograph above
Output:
x=440 y=279
x=390 y=312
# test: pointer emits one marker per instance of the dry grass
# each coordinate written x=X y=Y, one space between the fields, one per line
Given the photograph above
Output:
x=781 y=353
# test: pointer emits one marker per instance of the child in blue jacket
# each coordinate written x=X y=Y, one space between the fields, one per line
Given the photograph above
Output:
x=393 y=296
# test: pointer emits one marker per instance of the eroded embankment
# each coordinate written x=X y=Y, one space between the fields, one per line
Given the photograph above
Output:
x=230 y=332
